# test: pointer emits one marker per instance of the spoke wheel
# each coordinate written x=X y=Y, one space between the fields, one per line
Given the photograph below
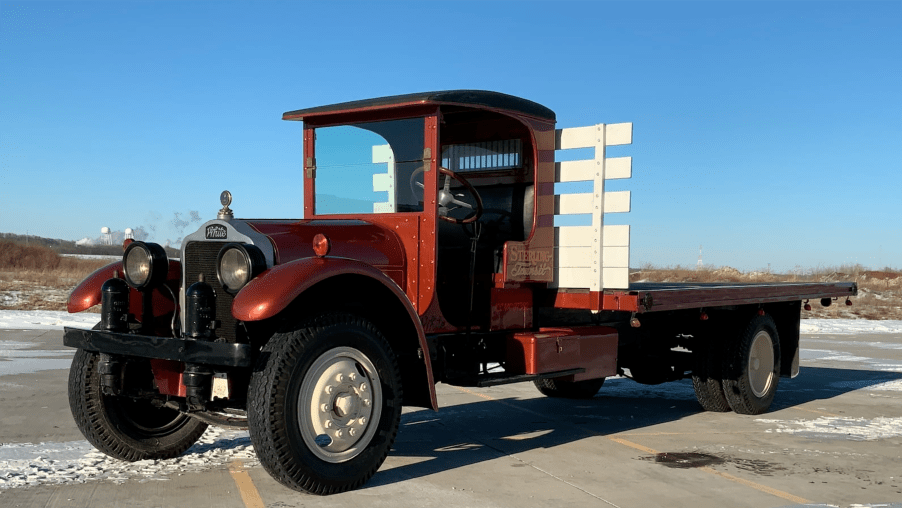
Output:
x=325 y=404
x=752 y=368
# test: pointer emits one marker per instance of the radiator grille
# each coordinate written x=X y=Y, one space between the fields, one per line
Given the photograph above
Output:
x=200 y=258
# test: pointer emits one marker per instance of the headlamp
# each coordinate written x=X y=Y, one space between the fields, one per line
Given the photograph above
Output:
x=237 y=264
x=146 y=265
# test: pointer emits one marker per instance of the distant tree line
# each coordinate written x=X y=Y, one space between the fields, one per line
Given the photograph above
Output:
x=69 y=247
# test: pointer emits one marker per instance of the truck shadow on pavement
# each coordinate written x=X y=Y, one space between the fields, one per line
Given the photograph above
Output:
x=473 y=432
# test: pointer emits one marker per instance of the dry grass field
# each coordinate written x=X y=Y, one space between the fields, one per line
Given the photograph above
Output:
x=34 y=277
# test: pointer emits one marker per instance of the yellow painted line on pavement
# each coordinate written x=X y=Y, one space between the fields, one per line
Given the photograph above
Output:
x=484 y=396
x=246 y=488
x=633 y=445
x=652 y=451
x=757 y=486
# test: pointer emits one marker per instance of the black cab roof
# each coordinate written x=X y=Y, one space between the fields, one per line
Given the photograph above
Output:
x=471 y=98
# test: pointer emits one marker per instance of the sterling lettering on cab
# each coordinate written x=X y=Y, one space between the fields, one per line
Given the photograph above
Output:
x=524 y=263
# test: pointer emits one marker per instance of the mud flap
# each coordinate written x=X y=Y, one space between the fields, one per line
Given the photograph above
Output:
x=794 y=369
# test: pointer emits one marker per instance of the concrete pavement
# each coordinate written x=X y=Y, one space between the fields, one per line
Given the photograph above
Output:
x=834 y=436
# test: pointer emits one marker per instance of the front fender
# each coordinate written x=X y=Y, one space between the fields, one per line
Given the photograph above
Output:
x=273 y=290
x=87 y=294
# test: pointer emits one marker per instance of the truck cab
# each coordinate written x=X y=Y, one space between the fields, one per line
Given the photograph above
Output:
x=450 y=175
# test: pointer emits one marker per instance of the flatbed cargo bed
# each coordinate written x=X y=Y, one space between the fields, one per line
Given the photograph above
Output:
x=643 y=297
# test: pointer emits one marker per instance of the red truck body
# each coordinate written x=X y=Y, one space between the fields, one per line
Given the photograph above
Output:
x=466 y=274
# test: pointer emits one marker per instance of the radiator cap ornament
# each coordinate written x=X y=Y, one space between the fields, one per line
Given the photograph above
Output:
x=225 y=213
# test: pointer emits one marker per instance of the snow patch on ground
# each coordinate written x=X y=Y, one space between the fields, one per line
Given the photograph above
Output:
x=45 y=319
x=837 y=427
x=887 y=386
x=878 y=345
x=849 y=326
x=888 y=367
x=826 y=354
x=11 y=298
x=30 y=464
x=92 y=256
x=19 y=358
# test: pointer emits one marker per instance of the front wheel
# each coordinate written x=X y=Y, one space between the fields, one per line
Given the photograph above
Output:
x=751 y=369
x=551 y=387
x=122 y=427
x=325 y=404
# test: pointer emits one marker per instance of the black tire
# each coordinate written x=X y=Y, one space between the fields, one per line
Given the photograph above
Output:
x=706 y=374
x=558 y=388
x=121 y=427
x=751 y=367
x=297 y=404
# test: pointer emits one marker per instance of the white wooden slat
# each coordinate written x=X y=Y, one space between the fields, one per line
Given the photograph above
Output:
x=382 y=153
x=616 y=236
x=576 y=236
x=574 y=277
x=616 y=202
x=382 y=182
x=574 y=257
x=618 y=167
x=618 y=134
x=615 y=257
x=578 y=255
x=576 y=137
x=573 y=204
x=616 y=278
x=575 y=171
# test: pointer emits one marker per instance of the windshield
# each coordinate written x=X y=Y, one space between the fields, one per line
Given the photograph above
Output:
x=369 y=167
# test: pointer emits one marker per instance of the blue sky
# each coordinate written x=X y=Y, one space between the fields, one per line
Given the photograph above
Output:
x=767 y=132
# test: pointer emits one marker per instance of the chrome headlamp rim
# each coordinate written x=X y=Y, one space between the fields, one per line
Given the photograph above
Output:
x=146 y=273
x=251 y=261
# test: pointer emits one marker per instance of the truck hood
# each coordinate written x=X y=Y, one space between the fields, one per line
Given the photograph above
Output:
x=354 y=239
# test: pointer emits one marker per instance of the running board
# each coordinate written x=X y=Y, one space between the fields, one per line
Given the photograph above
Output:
x=504 y=379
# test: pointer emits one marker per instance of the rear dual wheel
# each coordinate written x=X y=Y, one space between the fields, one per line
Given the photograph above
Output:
x=740 y=375
x=707 y=379
x=751 y=370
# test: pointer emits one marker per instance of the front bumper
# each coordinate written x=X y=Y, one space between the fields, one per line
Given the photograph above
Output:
x=166 y=348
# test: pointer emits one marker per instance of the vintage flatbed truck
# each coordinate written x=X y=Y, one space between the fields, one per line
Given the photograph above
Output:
x=434 y=247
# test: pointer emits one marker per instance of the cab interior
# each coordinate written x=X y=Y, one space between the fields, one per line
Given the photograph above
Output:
x=494 y=153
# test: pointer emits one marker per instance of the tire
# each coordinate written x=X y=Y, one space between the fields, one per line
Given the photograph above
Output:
x=706 y=375
x=336 y=373
x=557 y=388
x=121 y=427
x=751 y=367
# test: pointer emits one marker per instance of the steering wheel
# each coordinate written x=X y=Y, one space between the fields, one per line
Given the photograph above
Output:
x=446 y=198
